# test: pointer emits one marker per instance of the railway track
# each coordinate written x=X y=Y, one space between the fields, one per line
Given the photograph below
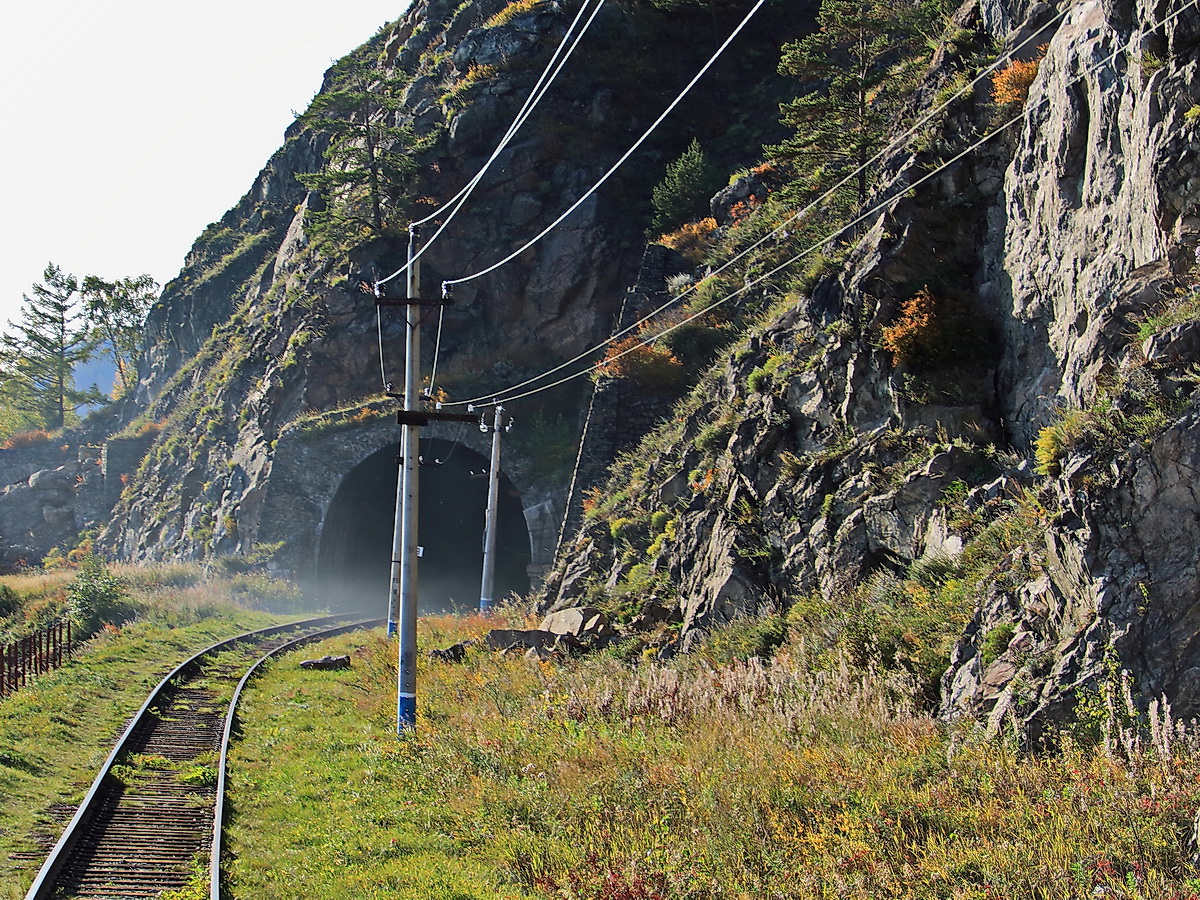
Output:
x=154 y=814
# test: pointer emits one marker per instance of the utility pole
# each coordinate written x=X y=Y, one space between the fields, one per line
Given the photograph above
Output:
x=487 y=587
x=407 y=493
x=402 y=608
x=412 y=363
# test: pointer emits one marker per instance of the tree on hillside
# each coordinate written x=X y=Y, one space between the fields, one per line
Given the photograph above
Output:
x=117 y=311
x=39 y=354
x=367 y=157
x=855 y=71
x=685 y=190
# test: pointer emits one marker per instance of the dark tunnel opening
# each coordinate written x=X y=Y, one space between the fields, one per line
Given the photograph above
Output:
x=354 y=556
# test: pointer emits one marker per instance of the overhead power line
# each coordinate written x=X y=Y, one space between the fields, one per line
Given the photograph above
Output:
x=505 y=395
x=620 y=162
x=775 y=232
x=556 y=64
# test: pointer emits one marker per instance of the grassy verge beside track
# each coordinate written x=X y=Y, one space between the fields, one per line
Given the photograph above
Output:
x=798 y=776
x=56 y=732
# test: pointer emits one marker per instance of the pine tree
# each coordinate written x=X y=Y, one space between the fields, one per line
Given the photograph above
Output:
x=368 y=158
x=38 y=355
x=117 y=310
x=685 y=190
x=854 y=69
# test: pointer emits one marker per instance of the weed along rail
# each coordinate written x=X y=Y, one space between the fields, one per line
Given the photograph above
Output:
x=154 y=813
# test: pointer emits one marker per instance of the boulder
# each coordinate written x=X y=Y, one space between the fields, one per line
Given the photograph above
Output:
x=583 y=623
x=455 y=653
x=512 y=639
x=326 y=662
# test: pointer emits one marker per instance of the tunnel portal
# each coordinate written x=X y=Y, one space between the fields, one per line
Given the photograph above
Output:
x=355 y=550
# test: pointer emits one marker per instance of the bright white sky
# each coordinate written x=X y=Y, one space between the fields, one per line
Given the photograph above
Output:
x=130 y=125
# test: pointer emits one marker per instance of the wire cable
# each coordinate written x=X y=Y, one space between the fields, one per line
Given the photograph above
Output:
x=437 y=349
x=549 y=74
x=526 y=107
x=504 y=397
x=620 y=162
x=379 y=331
x=892 y=145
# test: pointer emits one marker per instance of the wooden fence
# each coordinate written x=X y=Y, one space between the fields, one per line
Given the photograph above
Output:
x=39 y=652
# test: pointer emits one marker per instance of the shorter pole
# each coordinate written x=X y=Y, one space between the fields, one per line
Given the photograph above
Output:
x=488 y=586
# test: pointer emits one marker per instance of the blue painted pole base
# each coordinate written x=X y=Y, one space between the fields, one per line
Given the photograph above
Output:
x=406 y=714
x=391 y=629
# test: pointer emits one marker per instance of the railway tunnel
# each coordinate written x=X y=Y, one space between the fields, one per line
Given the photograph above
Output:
x=355 y=547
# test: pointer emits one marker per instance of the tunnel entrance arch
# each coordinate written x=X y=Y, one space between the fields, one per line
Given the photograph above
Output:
x=355 y=547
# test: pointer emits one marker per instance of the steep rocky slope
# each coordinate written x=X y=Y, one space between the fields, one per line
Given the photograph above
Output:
x=886 y=492
x=267 y=333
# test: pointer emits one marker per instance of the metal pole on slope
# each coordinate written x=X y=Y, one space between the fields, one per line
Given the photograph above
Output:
x=394 y=591
x=406 y=685
x=487 y=587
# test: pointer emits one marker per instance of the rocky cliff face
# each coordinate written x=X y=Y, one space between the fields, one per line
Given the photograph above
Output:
x=267 y=330
x=817 y=470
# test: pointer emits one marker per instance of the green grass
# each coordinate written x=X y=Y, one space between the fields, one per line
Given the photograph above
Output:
x=327 y=803
x=56 y=733
x=1182 y=306
x=590 y=780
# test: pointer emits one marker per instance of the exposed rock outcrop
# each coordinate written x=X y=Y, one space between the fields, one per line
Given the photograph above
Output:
x=814 y=460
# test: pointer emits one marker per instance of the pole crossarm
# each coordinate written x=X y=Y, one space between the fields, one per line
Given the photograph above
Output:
x=413 y=301
x=421 y=418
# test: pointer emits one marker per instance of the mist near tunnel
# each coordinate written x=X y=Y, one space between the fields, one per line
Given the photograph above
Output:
x=355 y=550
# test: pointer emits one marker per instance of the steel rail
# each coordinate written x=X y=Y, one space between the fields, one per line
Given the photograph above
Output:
x=45 y=884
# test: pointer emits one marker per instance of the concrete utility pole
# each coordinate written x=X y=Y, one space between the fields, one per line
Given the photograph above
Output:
x=406 y=686
x=402 y=605
x=487 y=588
x=412 y=363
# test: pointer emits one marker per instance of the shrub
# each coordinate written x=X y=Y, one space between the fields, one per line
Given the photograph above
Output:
x=96 y=597
x=745 y=639
x=627 y=529
x=932 y=332
x=1055 y=441
x=691 y=240
x=510 y=12
x=996 y=642
x=10 y=601
x=915 y=333
x=1011 y=83
x=650 y=365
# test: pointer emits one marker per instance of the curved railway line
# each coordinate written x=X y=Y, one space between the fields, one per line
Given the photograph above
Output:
x=156 y=808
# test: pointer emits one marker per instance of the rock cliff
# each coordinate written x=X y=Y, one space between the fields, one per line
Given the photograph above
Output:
x=269 y=341
x=823 y=473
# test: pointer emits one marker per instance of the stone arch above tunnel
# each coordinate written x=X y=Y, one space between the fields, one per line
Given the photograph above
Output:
x=308 y=470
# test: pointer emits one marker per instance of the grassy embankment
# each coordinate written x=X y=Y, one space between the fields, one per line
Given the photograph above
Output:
x=710 y=776
x=56 y=732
